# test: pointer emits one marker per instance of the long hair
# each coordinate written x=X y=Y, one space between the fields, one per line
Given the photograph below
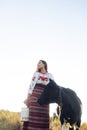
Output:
x=45 y=64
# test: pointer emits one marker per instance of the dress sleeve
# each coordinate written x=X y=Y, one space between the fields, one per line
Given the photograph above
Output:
x=51 y=76
x=33 y=82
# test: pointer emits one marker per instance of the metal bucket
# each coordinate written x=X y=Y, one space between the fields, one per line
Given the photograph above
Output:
x=25 y=114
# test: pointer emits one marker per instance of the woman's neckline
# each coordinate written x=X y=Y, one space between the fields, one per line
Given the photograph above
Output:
x=43 y=72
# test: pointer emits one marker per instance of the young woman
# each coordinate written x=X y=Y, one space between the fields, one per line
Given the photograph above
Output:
x=38 y=115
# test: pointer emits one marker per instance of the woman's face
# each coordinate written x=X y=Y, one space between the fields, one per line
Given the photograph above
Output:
x=40 y=65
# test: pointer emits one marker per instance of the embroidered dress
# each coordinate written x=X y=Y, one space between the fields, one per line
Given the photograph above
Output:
x=38 y=115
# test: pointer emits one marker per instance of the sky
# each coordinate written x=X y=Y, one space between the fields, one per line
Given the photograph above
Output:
x=51 y=30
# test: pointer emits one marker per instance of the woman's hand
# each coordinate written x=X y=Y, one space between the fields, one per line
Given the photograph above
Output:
x=27 y=101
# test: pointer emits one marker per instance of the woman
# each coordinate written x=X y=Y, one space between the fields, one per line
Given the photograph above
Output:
x=38 y=115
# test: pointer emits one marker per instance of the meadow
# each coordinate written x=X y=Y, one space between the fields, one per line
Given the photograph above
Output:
x=11 y=121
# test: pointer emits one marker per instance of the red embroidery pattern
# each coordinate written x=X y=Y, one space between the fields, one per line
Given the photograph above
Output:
x=43 y=78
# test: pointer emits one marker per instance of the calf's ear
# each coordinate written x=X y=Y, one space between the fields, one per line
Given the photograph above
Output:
x=39 y=101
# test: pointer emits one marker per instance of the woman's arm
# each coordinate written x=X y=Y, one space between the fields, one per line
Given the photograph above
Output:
x=33 y=82
x=31 y=87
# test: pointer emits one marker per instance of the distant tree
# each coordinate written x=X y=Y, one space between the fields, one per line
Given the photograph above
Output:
x=54 y=116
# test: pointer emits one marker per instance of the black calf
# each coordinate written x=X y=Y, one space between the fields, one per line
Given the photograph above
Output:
x=67 y=98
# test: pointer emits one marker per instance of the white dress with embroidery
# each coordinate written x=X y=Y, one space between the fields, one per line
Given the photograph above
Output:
x=38 y=115
x=39 y=78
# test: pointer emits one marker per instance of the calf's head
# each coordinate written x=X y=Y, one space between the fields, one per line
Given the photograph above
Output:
x=50 y=94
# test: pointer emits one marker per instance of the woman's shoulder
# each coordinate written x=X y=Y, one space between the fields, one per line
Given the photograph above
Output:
x=36 y=73
x=50 y=75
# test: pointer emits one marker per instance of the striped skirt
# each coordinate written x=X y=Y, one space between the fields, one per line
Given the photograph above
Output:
x=38 y=115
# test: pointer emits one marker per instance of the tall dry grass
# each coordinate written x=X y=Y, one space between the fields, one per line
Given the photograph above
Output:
x=11 y=121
